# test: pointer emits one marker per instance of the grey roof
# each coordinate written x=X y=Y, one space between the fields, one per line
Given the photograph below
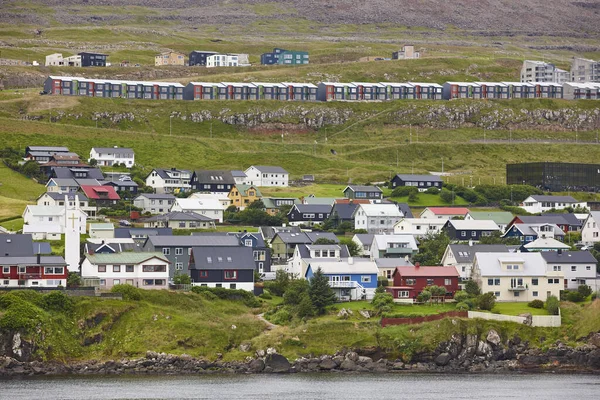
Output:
x=577 y=257
x=260 y=242
x=363 y=188
x=405 y=210
x=179 y=216
x=126 y=232
x=237 y=257
x=214 y=176
x=117 y=247
x=305 y=252
x=56 y=149
x=365 y=238
x=114 y=150
x=87 y=182
x=193 y=241
x=314 y=236
x=67 y=173
x=270 y=170
x=423 y=178
x=163 y=172
x=16 y=245
x=41 y=248
x=65 y=182
x=120 y=183
x=392 y=262
x=527 y=229
x=466 y=254
x=268 y=232
x=569 y=218
x=238 y=174
x=305 y=237
x=555 y=199
x=558 y=219
x=32 y=260
x=313 y=208
x=344 y=211
x=165 y=196
x=61 y=196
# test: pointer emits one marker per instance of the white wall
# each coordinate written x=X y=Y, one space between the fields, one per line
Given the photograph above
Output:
x=248 y=286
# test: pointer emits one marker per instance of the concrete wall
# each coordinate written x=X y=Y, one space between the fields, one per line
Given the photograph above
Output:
x=537 y=320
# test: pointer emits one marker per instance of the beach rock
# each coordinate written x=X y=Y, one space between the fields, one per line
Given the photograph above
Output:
x=260 y=353
x=277 y=363
x=352 y=356
x=256 y=365
x=327 y=364
x=443 y=359
x=348 y=365
x=493 y=337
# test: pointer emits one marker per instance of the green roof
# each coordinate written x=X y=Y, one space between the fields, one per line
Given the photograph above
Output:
x=124 y=257
x=243 y=189
x=103 y=226
x=499 y=217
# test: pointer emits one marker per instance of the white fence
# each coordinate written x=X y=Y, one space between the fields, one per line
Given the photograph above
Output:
x=536 y=320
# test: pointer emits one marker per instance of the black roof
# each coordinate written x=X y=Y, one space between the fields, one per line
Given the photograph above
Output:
x=126 y=232
x=67 y=173
x=214 y=176
x=571 y=219
x=230 y=257
x=16 y=246
x=558 y=219
x=569 y=257
x=344 y=211
x=405 y=210
x=268 y=232
x=420 y=178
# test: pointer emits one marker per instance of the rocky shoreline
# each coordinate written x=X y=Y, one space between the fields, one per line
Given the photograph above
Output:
x=463 y=353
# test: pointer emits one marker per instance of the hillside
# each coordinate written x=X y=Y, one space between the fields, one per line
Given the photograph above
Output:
x=554 y=17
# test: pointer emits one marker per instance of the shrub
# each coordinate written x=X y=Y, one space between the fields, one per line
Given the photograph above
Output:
x=472 y=288
x=402 y=191
x=246 y=297
x=305 y=308
x=127 y=291
x=182 y=279
x=424 y=296
x=278 y=286
x=30 y=296
x=57 y=301
x=432 y=190
x=281 y=317
x=383 y=302
x=436 y=290
x=462 y=306
x=552 y=305
x=486 y=301
x=461 y=296
x=446 y=196
x=574 y=296
x=20 y=315
x=413 y=197
x=585 y=290
x=536 y=304
x=266 y=295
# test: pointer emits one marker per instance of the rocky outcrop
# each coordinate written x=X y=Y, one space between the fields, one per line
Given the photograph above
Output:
x=14 y=345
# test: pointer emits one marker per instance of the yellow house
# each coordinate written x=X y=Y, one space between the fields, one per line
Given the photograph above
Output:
x=243 y=195
x=169 y=58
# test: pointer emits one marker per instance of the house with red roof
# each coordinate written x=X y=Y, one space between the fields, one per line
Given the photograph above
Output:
x=408 y=282
x=444 y=212
x=104 y=196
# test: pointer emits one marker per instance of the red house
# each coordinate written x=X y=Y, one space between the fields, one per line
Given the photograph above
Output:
x=410 y=281
x=105 y=196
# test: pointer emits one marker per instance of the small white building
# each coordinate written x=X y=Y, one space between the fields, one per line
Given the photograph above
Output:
x=221 y=197
x=211 y=208
x=49 y=222
x=222 y=60
x=419 y=227
x=377 y=218
x=58 y=199
x=590 y=231
x=520 y=277
x=540 y=203
x=444 y=212
x=154 y=203
x=393 y=246
x=579 y=267
x=145 y=270
x=169 y=180
x=261 y=175
x=102 y=231
x=109 y=156
x=363 y=241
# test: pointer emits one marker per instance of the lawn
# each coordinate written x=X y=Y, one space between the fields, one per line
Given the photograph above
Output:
x=16 y=191
x=514 y=308
x=13 y=225
x=318 y=190
x=427 y=200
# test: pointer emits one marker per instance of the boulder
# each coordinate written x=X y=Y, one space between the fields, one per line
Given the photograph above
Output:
x=327 y=364
x=256 y=366
x=245 y=347
x=362 y=359
x=483 y=349
x=493 y=337
x=365 y=314
x=398 y=365
x=348 y=365
x=271 y=350
x=595 y=339
x=343 y=314
x=352 y=356
x=443 y=359
x=277 y=363
x=260 y=353
x=528 y=319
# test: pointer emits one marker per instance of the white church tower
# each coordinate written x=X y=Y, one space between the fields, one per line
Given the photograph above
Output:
x=73 y=228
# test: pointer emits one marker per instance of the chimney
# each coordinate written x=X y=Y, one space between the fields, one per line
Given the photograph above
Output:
x=470 y=243
x=417 y=264
x=350 y=260
x=39 y=256
x=560 y=252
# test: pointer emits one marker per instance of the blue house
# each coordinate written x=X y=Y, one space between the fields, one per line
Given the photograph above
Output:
x=350 y=278
x=528 y=233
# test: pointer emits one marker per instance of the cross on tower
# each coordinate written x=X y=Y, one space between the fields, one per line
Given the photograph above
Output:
x=73 y=218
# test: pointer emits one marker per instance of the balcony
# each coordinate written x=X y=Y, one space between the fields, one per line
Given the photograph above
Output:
x=518 y=288
x=35 y=275
x=343 y=284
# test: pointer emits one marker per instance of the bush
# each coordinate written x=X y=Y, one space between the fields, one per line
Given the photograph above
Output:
x=127 y=291
x=585 y=290
x=266 y=295
x=57 y=301
x=424 y=296
x=552 y=305
x=461 y=296
x=19 y=315
x=574 y=296
x=278 y=286
x=383 y=302
x=17 y=296
x=446 y=196
x=486 y=301
x=472 y=288
x=403 y=191
x=281 y=317
x=536 y=304
x=432 y=190
x=246 y=297
x=462 y=306
x=182 y=279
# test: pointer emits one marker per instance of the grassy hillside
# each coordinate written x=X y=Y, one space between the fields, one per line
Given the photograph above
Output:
x=16 y=191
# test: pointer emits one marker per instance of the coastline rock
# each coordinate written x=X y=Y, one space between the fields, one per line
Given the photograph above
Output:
x=493 y=337
x=256 y=366
x=443 y=359
x=277 y=363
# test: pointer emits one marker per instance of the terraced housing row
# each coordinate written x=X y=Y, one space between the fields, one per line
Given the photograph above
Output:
x=324 y=91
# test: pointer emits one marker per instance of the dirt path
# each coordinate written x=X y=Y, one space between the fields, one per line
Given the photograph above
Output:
x=270 y=326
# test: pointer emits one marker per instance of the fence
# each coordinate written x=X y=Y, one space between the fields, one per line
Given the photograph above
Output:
x=427 y=318
x=536 y=320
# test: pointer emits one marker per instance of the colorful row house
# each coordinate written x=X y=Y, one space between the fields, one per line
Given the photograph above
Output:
x=491 y=90
x=520 y=90
x=578 y=91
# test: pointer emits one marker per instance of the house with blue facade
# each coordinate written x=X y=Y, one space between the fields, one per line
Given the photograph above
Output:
x=350 y=278
x=528 y=233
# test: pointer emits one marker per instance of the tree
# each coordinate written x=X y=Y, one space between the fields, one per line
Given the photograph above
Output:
x=472 y=288
x=93 y=162
x=413 y=197
x=182 y=279
x=295 y=291
x=432 y=249
x=446 y=196
x=324 y=240
x=73 y=280
x=382 y=302
x=353 y=247
x=258 y=205
x=585 y=290
x=437 y=290
x=552 y=305
x=320 y=292
x=486 y=301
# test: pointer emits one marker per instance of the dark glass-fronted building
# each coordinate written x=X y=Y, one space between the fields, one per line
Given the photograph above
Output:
x=555 y=176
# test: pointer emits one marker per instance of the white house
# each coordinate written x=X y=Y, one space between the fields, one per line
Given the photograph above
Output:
x=154 y=203
x=221 y=197
x=419 y=227
x=109 y=156
x=540 y=203
x=169 y=180
x=393 y=246
x=579 y=267
x=444 y=212
x=209 y=207
x=304 y=254
x=49 y=222
x=521 y=277
x=461 y=256
x=102 y=231
x=590 y=232
x=58 y=199
x=261 y=175
x=146 y=270
x=62 y=185
x=222 y=60
x=377 y=218
x=364 y=241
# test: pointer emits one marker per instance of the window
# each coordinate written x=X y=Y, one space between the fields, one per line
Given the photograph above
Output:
x=230 y=274
x=447 y=281
x=102 y=282
x=573 y=268
x=116 y=268
x=53 y=270
x=248 y=242
x=551 y=281
x=556 y=268
x=179 y=251
x=403 y=294
x=534 y=282
x=515 y=267
x=101 y=268
x=497 y=294
x=166 y=251
x=203 y=273
x=232 y=286
x=317 y=253
x=178 y=266
x=509 y=266
x=490 y=282
x=22 y=270
x=116 y=281
x=365 y=279
x=6 y=270
x=588 y=268
x=129 y=282
x=129 y=268
x=463 y=233
x=497 y=282
x=154 y=268
x=410 y=282
x=516 y=294
x=534 y=294
x=429 y=282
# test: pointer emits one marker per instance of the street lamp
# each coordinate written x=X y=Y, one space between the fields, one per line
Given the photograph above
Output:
x=170 y=125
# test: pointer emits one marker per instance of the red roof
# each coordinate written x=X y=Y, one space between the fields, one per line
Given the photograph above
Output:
x=100 y=192
x=449 y=210
x=427 y=271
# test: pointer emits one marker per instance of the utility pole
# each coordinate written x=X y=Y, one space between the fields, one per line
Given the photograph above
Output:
x=396 y=158
x=510 y=135
x=442 y=165
x=170 y=125
x=211 y=129
x=410 y=133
